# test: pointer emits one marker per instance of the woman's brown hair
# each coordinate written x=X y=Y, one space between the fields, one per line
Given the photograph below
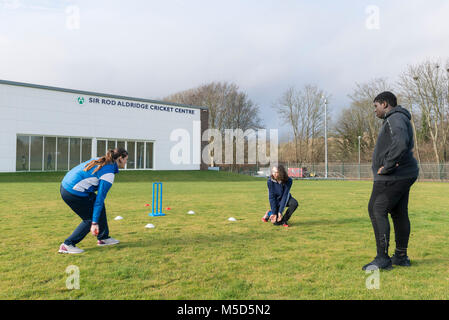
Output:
x=283 y=175
x=110 y=157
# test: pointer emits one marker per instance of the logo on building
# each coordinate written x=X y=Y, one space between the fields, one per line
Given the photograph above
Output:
x=80 y=100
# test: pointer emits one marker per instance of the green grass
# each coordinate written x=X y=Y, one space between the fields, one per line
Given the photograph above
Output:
x=204 y=256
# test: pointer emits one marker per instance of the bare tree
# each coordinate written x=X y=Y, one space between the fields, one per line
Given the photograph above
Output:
x=362 y=99
x=303 y=111
x=359 y=120
x=409 y=106
x=229 y=107
x=289 y=111
x=313 y=102
x=350 y=125
x=213 y=95
x=240 y=112
x=426 y=86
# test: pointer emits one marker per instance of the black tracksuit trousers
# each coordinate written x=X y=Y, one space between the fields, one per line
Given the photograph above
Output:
x=390 y=197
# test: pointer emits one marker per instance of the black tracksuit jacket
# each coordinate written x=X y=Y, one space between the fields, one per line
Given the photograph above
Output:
x=394 y=147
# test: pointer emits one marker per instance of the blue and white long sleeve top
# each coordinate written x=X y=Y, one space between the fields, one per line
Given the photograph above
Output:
x=82 y=183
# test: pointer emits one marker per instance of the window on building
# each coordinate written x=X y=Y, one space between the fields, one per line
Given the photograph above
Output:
x=86 y=149
x=111 y=144
x=41 y=153
x=63 y=154
x=101 y=148
x=22 y=153
x=121 y=144
x=131 y=148
x=36 y=153
x=149 y=155
x=75 y=152
x=50 y=153
x=140 y=155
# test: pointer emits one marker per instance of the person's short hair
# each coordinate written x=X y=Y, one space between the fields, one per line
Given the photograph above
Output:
x=387 y=97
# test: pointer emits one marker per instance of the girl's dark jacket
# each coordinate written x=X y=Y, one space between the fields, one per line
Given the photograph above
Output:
x=278 y=194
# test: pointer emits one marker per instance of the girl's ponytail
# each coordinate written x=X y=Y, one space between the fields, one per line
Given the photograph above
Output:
x=109 y=157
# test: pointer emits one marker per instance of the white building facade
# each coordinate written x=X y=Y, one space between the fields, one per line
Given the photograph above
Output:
x=54 y=129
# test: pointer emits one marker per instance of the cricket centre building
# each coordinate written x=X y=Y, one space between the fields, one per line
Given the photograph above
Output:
x=54 y=129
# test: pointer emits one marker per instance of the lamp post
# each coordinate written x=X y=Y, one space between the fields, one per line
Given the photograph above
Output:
x=447 y=101
x=359 y=159
x=325 y=137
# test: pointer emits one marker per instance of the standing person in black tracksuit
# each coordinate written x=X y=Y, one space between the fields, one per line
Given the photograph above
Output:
x=394 y=170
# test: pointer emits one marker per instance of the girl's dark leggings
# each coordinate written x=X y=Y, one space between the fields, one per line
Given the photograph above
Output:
x=292 y=205
x=84 y=207
x=390 y=197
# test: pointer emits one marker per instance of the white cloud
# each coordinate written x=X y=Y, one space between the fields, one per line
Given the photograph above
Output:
x=153 y=48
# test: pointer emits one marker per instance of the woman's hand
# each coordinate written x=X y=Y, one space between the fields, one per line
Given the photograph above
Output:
x=279 y=217
x=94 y=229
x=276 y=217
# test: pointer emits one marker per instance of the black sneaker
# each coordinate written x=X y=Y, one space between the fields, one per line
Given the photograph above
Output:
x=379 y=263
x=403 y=261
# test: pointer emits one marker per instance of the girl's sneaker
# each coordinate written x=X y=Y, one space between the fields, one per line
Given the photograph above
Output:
x=107 y=242
x=64 y=248
x=265 y=217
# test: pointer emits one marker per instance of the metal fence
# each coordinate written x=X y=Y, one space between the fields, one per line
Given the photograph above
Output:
x=427 y=171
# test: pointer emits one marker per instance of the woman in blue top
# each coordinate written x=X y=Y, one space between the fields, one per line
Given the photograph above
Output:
x=78 y=191
x=279 y=185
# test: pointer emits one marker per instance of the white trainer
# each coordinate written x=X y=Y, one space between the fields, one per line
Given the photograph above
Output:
x=107 y=242
x=64 y=248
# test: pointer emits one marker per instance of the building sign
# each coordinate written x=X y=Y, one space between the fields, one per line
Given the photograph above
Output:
x=137 y=105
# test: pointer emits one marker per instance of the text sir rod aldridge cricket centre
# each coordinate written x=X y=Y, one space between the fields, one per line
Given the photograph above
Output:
x=146 y=106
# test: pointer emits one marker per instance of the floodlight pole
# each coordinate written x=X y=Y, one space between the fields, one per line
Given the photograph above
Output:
x=325 y=138
x=359 y=158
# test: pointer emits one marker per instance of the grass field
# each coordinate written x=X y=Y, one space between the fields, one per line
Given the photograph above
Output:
x=205 y=256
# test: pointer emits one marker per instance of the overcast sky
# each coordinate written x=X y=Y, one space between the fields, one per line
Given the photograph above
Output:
x=151 y=49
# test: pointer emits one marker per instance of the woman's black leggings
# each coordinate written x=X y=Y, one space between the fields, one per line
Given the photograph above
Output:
x=292 y=204
x=390 y=197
